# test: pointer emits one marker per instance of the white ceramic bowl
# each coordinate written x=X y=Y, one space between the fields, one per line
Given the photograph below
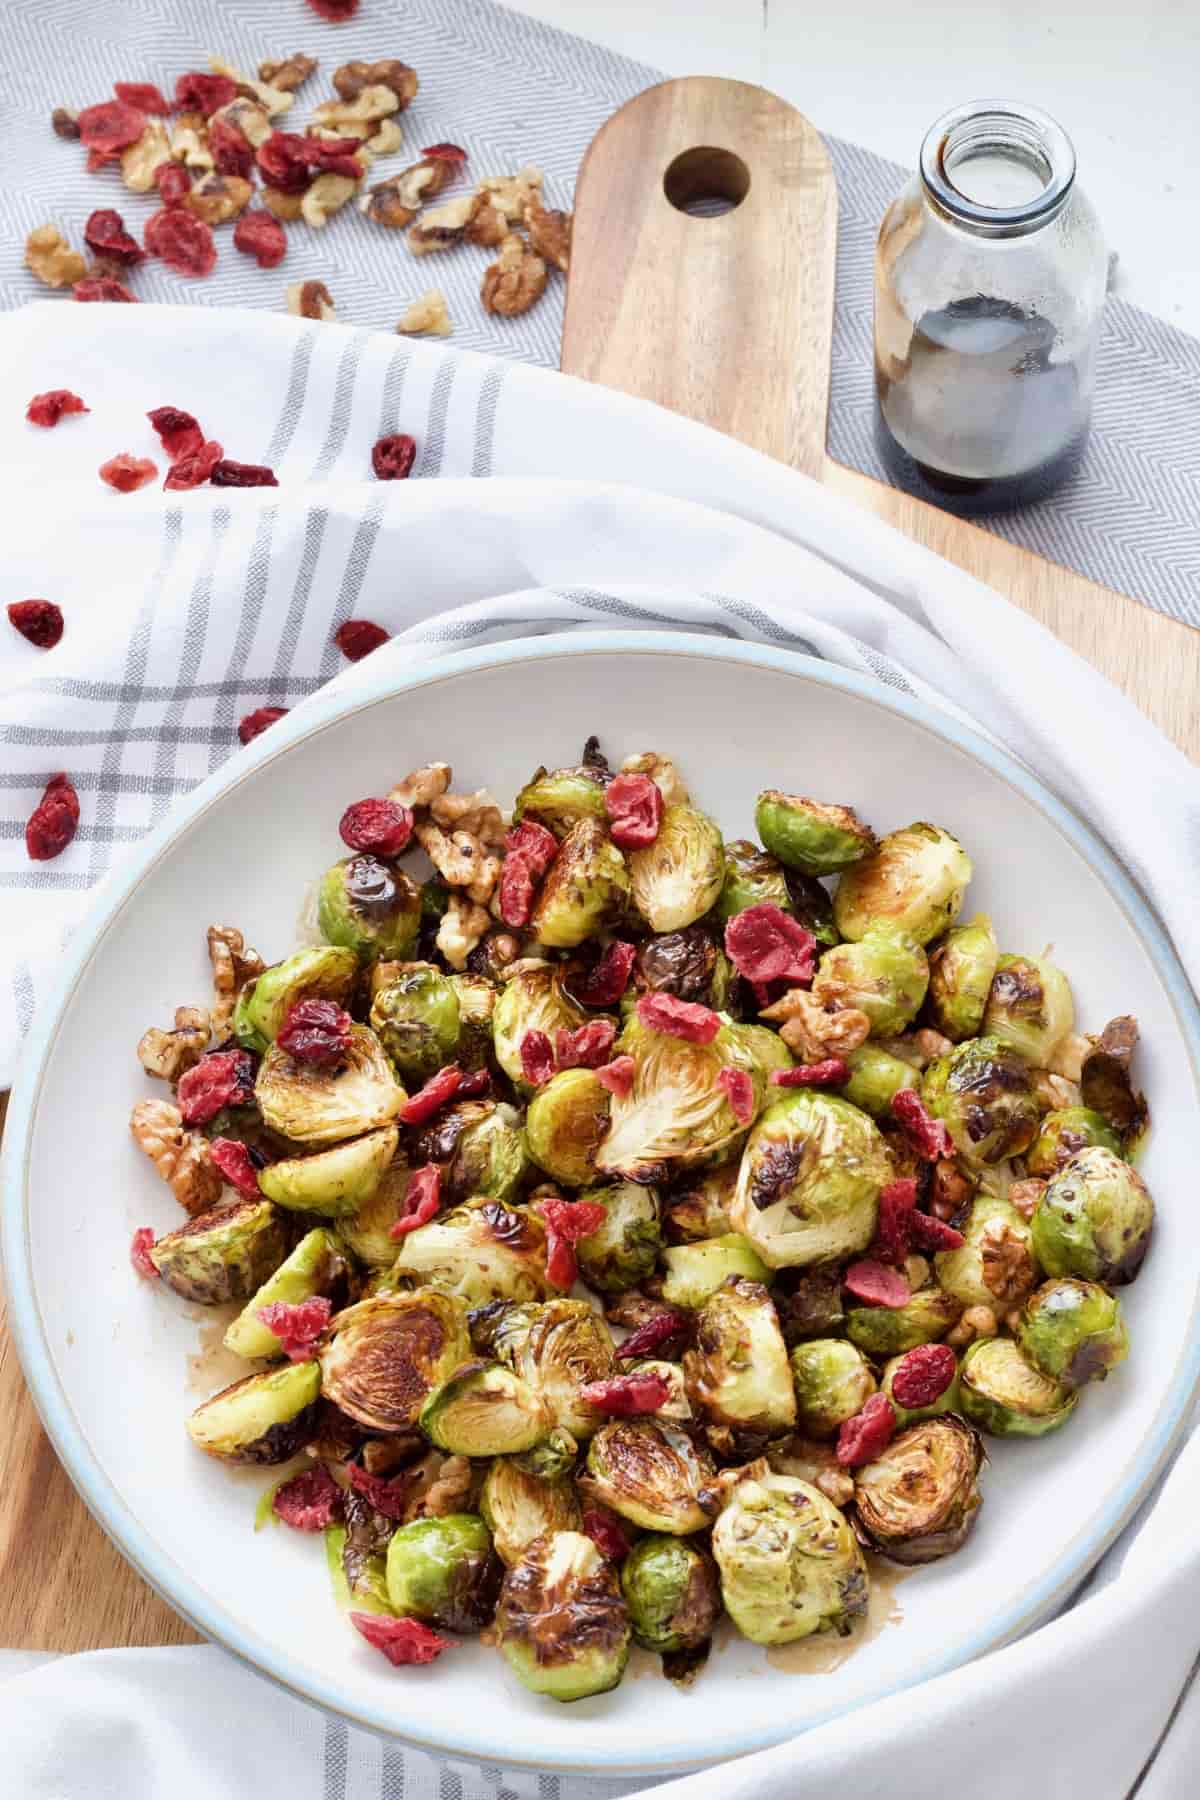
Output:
x=107 y=1357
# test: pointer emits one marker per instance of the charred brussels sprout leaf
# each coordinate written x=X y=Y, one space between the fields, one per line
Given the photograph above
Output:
x=476 y=998
x=584 y=890
x=222 y=1255
x=995 y=1264
x=806 y=835
x=789 y=1563
x=812 y=906
x=808 y=1188
x=678 y=877
x=687 y=964
x=809 y=1303
x=264 y=1418
x=881 y=1331
x=561 y=798
x=485 y=1251
x=484 y=1410
x=385 y=1356
x=1094 y=1219
x=694 y=1272
x=550 y=1460
x=1073 y=1331
x=370 y=907
x=1106 y=1081
x=884 y=974
x=918 y=1501
x=416 y=1018
x=752 y=878
x=984 y=1095
x=960 y=978
x=335 y=1182
x=700 y=1210
x=1004 y=1394
x=566 y=1125
x=313 y=1105
x=915 y=880
x=875 y=1078
x=444 y=1571
x=625 y=1248
x=673 y=1593
x=315 y=974
x=520 y=1507
x=489 y=1157
x=1064 y=1132
x=563 y=1626
x=533 y=999
x=738 y=1372
x=675 y=1116
x=651 y=1473
x=1029 y=1007
x=314 y=1267
x=833 y=1382
x=356 y=1554
x=556 y=1348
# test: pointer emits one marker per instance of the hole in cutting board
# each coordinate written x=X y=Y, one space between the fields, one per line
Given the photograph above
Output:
x=706 y=182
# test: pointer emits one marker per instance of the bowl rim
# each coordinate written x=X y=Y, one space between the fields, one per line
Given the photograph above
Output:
x=115 y=1516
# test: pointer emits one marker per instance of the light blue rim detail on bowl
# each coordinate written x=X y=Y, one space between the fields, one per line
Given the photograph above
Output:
x=105 y=1504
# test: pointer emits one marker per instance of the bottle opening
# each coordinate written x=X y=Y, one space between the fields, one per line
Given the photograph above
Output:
x=998 y=168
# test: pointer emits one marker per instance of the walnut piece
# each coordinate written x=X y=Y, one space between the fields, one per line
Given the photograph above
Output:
x=449 y=1489
x=250 y=118
x=353 y=78
x=368 y=105
x=52 y=259
x=1026 y=1196
x=813 y=1462
x=976 y=1322
x=64 y=121
x=327 y=195
x=396 y=202
x=180 y=1157
x=916 y=1271
x=290 y=74
x=663 y=774
x=310 y=300
x=549 y=232
x=463 y=926
x=273 y=100
x=1054 y=1092
x=168 y=1053
x=476 y=813
x=140 y=160
x=189 y=142
x=487 y=226
x=1068 y=1056
x=423 y=786
x=285 y=207
x=513 y=283
x=930 y=1044
x=1008 y=1270
x=510 y=194
x=232 y=967
x=218 y=198
x=385 y=140
x=950 y=1189
x=813 y=1032
x=460 y=859
x=443 y=226
x=426 y=316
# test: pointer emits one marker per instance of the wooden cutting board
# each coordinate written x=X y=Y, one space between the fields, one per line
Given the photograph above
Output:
x=727 y=320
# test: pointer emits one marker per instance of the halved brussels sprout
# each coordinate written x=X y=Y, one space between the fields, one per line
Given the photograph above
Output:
x=385 y=1356
x=650 y=1472
x=808 y=1188
x=1029 y=1007
x=752 y=878
x=960 y=978
x=484 y=1410
x=314 y=974
x=675 y=1116
x=312 y=1105
x=678 y=877
x=700 y=1210
x=476 y=997
x=480 y=1145
x=685 y=963
x=556 y=1348
x=370 y=907
x=1073 y=1331
x=481 y=1252
x=315 y=1266
x=264 y=1418
x=673 y=1593
x=550 y=1460
x=519 y=1507
x=625 y=1248
x=789 y=1562
x=444 y=1571
x=833 y=1382
x=532 y=999
x=738 y=1372
x=1065 y=1131
x=1094 y=1219
x=562 y=1624
x=995 y=1265
x=584 y=890
x=918 y=1500
x=915 y=880
x=1002 y=1392
x=417 y=1020
x=884 y=974
x=334 y=1182
x=560 y=798
x=566 y=1125
x=694 y=1272
x=367 y=1232
x=946 y=1402
x=881 y=1331
x=224 y=1254
x=767 y=1048
x=876 y=1077
x=984 y=1095
x=806 y=835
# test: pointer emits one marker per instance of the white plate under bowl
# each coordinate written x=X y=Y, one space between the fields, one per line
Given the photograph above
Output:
x=107 y=1357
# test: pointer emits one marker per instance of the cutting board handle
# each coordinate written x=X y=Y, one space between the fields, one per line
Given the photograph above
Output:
x=727 y=319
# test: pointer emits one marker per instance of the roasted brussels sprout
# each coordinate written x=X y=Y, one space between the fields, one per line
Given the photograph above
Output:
x=789 y=1562
x=1064 y=1132
x=1106 y=1081
x=738 y=1372
x=650 y=1472
x=808 y=1188
x=416 y=1018
x=476 y=997
x=385 y=1356
x=876 y=1076
x=357 y=1554
x=314 y=974
x=752 y=878
x=367 y=1232
x=1029 y=1007
x=562 y=1623
x=960 y=978
x=444 y=1571
x=553 y=1458
x=918 y=1500
x=1073 y=1331
x=625 y=1248
x=556 y=1348
x=983 y=1094
x=533 y=999
x=673 y=1593
x=264 y=1418
x=766 y=1047
x=481 y=1252
x=519 y=1507
x=559 y=799
x=484 y=1410
x=995 y=1264
x=315 y=1266
x=1000 y=1391
x=687 y=964
x=678 y=877
x=833 y=1382
x=1094 y=1219
x=884 y=974
x=881 y=1331
x=369 y=906
x=946 y=1402
x=812 y=905
x=566 y=1125
x=806 y=835
x=224 y=1254
x=694 y=1272
x=676 y=1116
x=915 y=880
x=334 y=1182
x=585 y=888
x=480 y=1145
x=312 y=1105
x=698 y=1211
x=809 y=1303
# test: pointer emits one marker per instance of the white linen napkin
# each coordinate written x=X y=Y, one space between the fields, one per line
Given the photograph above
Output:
x=556 y=505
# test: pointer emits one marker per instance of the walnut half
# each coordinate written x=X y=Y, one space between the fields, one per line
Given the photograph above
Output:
x=180 y=1157
x=515 y=281
x=168 y=1054
x=310 y=300
x=426 y=316
x=52 y=259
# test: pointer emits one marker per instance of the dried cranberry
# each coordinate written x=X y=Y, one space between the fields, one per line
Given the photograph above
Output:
x=197 y=92
x=105 y=233
x=532 y=841
x=586 y=1047
x=438 y=1091
x=109 y=128
x=624 y=1396
x=310 y=1501
x=383 y=826
x=634 y=805
x=618 y=1076
x=516 y=890
x=893 y=1234
x=402 y=1641
x=606 y=981
x=607 y=1533
x=139 y=1253
x=40 y=621
x=422 y=1198
x=876 y=1284
x=537 y=1058
x=298 y=1326
x=255 y=723
x=766 y=944
x=233 y=1160
x=390 y=1498
x=47 y=409
x=183 y=241
x=739 y=1089
x=932 y=1234
x=927 y=1135
x=173 y=182
x=665 y=1326
x=143 y=95
x=260 y=235
x=222 y=1078
x=471 y=1086
x=289 y=162
x=358 y=637
x=316 y=1032
x=393 y=457
x=127 y=473
x=678 y=1018
x=868 y=1434
x=242 y=475
x=231 y=149
x=194 y=470
x=53 y=822
x=923 y=1375
x=103 y=288
x=566 y=1222
x=444 y=153
x=178 y=431
x=830 y=1073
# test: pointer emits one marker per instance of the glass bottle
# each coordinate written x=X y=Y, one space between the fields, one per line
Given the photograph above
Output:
x=990 y=278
